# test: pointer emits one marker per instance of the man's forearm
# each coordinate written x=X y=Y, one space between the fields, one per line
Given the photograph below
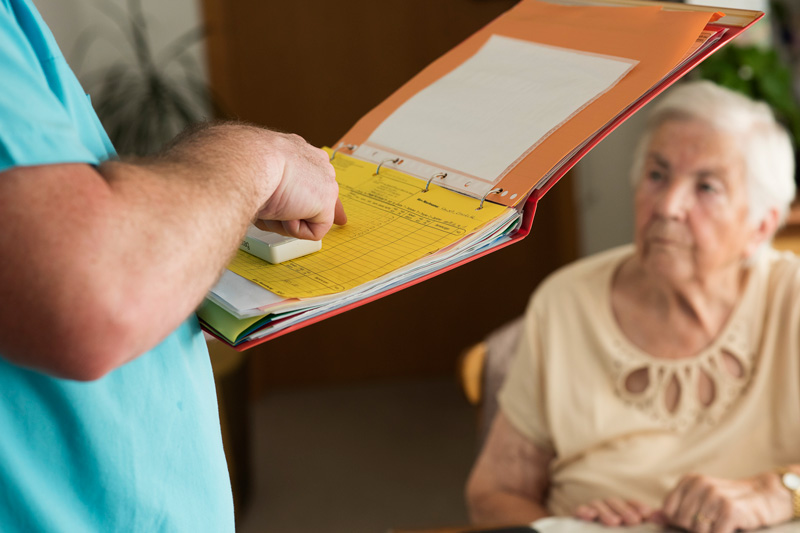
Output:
x=188 y=209
x=114 y=258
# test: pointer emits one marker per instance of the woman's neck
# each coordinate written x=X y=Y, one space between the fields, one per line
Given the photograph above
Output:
x=674 y=319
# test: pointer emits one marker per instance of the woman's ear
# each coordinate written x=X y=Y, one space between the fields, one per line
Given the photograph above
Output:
x=762 y=231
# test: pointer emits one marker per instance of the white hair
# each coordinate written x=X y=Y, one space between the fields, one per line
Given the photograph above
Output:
x=763 y=142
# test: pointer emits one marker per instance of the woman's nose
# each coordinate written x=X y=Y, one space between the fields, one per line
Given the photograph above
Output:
x=675 y=200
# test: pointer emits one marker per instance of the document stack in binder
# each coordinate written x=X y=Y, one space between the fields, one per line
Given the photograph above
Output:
x=452 y=165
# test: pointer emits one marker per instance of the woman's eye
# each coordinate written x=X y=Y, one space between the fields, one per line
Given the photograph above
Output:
x=707 y=187
x=655 y=175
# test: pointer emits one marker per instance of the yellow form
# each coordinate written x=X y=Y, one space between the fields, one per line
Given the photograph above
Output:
x=391 y=222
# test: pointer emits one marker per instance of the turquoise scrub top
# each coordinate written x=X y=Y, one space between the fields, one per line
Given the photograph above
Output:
x=139 y=449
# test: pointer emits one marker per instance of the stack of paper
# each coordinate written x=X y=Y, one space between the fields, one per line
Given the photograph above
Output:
x=573 y=525
x=396 y=231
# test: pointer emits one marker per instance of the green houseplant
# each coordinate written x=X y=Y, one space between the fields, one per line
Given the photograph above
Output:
x=764 y=71
x=146 y=99
x=760 y=73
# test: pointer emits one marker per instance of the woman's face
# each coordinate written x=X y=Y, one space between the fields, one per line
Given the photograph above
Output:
x=691 y=203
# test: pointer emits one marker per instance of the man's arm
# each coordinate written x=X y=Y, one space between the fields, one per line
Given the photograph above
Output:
x=100 y=264
x=509 y=481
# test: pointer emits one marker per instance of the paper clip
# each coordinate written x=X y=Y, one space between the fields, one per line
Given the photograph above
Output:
x=394 y=160
x=350 y=147
x=441 y=175
x=493 y=191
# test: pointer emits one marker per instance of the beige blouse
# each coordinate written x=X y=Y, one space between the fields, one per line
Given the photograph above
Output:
x=566 y=389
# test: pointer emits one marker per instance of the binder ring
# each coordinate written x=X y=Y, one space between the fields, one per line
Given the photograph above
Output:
x=483 y=199
x=350 y=147
x=441 y=175
x=393 y=160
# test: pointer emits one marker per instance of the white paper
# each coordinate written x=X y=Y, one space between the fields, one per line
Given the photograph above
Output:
x=243 y=298
x=496 y=106
x=241 y=293
x=573 y=525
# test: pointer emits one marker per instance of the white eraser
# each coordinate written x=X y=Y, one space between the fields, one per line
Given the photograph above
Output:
x=275 y=248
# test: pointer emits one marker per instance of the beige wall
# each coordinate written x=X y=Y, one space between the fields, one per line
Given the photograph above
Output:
x=604 y=197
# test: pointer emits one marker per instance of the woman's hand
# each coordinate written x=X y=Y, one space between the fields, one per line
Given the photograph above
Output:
x=704 y=504
x=614 y=512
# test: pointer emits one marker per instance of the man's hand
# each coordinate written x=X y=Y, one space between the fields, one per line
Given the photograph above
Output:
x=614 y=512
x=704 y=504
x=305 y=202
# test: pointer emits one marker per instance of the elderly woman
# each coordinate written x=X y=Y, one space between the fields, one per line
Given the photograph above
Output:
x=661 y=381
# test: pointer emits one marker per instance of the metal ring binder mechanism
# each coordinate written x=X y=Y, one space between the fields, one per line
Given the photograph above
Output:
x=483 y=198
x=394 y=160
x=350 y=147
x=441 y=175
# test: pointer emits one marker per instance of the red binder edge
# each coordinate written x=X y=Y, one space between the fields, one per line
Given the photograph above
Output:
x=529 y=209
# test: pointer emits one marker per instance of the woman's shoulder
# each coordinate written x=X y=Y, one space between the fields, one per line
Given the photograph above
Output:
x=781 y=268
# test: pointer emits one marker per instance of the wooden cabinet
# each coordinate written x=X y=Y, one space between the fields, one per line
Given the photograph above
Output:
x=314 y=68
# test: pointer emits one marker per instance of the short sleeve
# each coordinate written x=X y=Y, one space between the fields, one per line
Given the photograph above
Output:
x=41 y=101
x=522 y=397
